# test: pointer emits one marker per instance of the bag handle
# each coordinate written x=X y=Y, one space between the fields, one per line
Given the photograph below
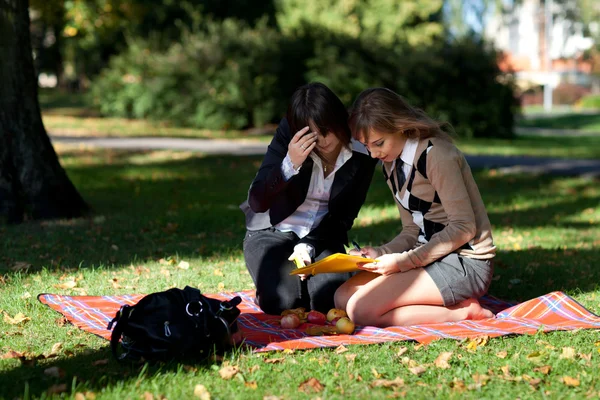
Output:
x=120 y=319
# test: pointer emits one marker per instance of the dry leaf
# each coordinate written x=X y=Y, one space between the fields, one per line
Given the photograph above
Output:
x=274 y=360
x=568 y=353
x=251 y=384
x=183 y=265
x=481 y=378
x=376 y=374
x=26 y=296
x=54 y=351
x=54 y=372
x=311 y=385
x=544 y=369
x=442 y=360
x=228 y=372
x=253 y=369
x=535 y=382
x=418 y=370
x=66 y=285
x=11 y=354
x=56 y=389
x=341 y=349
x=201 y=392
x=79 y=396
x=402 y=350
x=536 y=356
x=350 y=357
x=218 y=272
x=501 y=354
x=477 y=342
x=505 y=370
x=220 y=286
x=20 y=317
x=567 y=380
x=148 y=396
x=20 y=266
x=398 y=382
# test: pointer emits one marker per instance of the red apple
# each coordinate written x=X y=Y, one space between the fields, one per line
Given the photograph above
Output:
x=344 y=325
x=290 y=321
x=335 y=313
x=316 y=317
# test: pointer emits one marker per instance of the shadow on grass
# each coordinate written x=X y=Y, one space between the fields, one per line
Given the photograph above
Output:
x=151 y=208
x=89 y=371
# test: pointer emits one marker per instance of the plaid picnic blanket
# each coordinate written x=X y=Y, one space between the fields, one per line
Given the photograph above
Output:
x=553 y=311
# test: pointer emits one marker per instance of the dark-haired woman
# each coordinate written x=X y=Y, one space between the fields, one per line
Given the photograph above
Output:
x=303 y=201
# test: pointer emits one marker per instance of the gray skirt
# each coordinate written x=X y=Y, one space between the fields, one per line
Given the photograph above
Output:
x=459 y=278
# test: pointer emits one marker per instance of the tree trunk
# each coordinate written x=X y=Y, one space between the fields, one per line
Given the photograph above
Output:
x=32 y=182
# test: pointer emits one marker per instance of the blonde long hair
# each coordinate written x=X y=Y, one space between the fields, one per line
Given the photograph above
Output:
x=385 y=111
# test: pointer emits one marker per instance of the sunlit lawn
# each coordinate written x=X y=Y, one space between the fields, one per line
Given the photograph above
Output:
x=183 y=206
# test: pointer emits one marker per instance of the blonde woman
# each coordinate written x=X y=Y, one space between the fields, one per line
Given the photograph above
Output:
x=441 y=261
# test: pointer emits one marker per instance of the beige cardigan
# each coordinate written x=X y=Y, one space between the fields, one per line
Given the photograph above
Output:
x=441 y=179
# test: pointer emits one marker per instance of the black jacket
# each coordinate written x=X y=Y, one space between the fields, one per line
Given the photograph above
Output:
x=271 y=199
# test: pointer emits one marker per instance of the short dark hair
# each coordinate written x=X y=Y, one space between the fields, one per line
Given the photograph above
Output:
x=317 y=103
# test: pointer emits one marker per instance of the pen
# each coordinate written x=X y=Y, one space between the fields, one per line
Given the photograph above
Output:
x=357 y=248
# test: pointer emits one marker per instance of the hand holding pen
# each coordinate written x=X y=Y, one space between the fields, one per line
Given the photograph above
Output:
x=365 y=252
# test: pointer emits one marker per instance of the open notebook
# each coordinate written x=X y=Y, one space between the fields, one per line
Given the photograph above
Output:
x=337 y=262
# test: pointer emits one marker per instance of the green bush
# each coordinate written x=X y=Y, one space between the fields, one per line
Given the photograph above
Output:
x=228 y=74
x=222 y=77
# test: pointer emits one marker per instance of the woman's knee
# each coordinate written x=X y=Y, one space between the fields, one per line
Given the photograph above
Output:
x=360 y=312
x=341 y=297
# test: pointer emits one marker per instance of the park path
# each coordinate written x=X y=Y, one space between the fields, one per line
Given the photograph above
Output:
x=504 y=164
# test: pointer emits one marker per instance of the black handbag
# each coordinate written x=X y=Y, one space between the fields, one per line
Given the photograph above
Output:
x=174 y=324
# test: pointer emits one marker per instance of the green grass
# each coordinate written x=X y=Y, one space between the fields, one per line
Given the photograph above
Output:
x=159 y=205
x=586 y=147
x=581 y=121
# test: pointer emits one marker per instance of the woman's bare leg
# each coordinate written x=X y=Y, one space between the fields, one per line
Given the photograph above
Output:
x=407 y=298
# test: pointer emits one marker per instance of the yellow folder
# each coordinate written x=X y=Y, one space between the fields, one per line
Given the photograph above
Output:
x=337 y=262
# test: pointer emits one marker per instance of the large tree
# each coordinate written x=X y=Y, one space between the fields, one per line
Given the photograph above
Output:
x=32 y=182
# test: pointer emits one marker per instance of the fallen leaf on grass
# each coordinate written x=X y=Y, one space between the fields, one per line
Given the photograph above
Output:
x=17 y=319
x=398 y=382
x=148 y=396
x=183 y=265
x=54 y=372
x=481 y=378
x=20 y=266
x=567 y=353
x=442 y=360
x=402 y=350
x=544 y=369
x=536 y=356
x=26 y=296
x=311 y=385
x=54 y=351
x=567 y=380
x=218 y=272
x=251 y=384
x=201 y=392
x=56 y=389
x=501 y=354
x=228 y=372
x=341 y=349
x=418 y=370
x=350 y=357
x=11 y=354
x=66 y=285
x=274 y=360
x=477 y=342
